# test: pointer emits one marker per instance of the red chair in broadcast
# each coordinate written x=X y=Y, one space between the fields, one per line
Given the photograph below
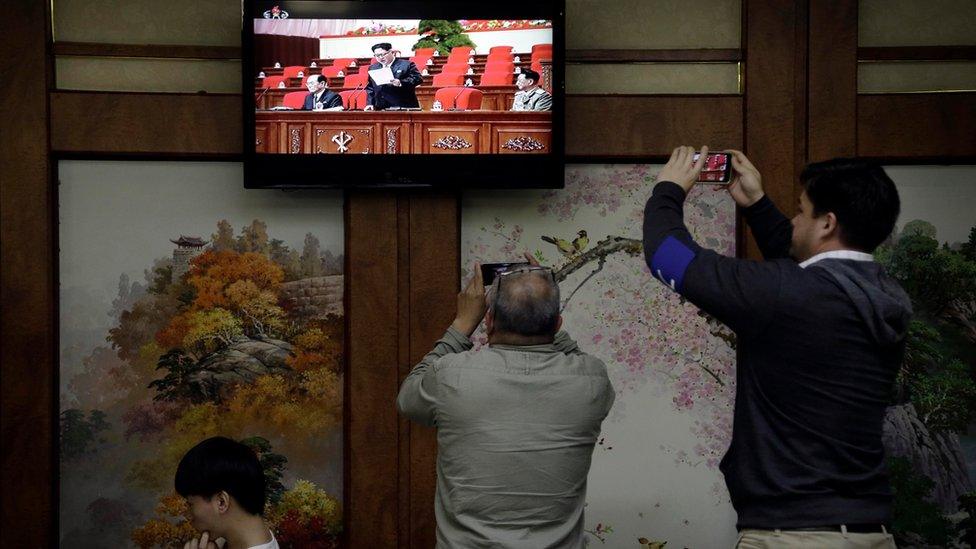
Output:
x=358 y=80
x=464 y=51
x=537 y=67
x=293 y=70
x=455 y=68
x=295 y=100
x=500 y=66
x=332 y=72
x=500 y=49
x=353 y=100
x=503 y=57
x=497 y=79
x=428 y=52
x=274 y=81
x=538 y=47
x=420 y=61
x=448 y=79
x=460 y=98
x=342 y=63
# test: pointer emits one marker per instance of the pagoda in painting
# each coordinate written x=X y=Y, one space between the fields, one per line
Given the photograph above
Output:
x=187 y=247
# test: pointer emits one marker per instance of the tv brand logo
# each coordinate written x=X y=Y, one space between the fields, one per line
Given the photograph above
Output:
x=276 y=13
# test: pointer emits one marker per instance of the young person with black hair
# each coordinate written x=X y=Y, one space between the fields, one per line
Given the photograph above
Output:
x=223 y=483
x=821 y=333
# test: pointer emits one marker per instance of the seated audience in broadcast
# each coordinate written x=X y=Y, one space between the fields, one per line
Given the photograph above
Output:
x=531 y=96
x=223 y=483
x=319 y=96
x=401 y=91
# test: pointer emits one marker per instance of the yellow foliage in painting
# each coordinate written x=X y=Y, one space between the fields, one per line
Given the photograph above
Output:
x=274 y=402
x=324 y=386
x=198 y=422
x=160 y=532
x=314 y=350
x=309 y=502
x=209 y=329
x=172 y=505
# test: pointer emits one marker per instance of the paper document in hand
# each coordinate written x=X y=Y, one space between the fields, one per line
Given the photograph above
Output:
x=381 y=76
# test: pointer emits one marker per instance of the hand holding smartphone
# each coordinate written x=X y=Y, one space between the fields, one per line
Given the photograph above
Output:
x=717 y=169
x=490 y=270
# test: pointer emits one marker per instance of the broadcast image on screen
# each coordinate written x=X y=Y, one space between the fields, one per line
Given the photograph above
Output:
x=402 y=86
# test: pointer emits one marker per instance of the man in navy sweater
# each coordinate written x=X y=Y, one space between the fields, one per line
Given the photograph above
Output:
x=821 y=332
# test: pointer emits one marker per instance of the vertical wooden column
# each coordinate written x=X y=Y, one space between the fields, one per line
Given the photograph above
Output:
x=403 y=253
x=832 y=130
x=28 y=256
x=775 y=37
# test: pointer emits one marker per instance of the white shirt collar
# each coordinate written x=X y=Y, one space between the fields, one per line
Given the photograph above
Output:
x=838 y=254
x=273 y=544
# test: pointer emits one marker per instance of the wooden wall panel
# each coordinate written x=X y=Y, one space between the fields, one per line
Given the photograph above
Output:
x=917 y=126
x=775 y=46
x=372 y=427
x=434 y=244
x=832 y=129
x=28 y=324
x=631 y=127
x=146 y=123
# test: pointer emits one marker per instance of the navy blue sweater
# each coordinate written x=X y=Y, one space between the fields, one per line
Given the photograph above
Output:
x=818 y=352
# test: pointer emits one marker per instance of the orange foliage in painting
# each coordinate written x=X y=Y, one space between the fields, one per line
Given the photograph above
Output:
x=314 y=350
x=311 y=407
x=160 y=531
x=213 y=271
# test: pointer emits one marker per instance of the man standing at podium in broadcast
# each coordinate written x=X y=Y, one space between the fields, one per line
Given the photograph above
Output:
x=400 y=90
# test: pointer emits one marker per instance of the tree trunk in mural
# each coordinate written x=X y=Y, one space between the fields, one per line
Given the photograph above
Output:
x=936 y=455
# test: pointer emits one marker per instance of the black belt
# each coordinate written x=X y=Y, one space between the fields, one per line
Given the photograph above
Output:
x=856 y=528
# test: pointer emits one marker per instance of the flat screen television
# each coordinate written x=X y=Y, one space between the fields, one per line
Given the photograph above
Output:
x=377 y=93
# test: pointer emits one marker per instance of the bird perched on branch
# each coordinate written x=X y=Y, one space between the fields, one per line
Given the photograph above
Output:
x=567 y=248
x=581 y=241
x=564 y=246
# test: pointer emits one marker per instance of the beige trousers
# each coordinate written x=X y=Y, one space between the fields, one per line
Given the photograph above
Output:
x=792 y=539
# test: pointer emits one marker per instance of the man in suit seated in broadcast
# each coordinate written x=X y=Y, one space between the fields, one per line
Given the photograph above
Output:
x=531 y=96
x=319 y=97
x=401 y=90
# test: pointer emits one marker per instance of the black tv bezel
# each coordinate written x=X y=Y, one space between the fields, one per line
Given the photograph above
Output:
x=485 y=171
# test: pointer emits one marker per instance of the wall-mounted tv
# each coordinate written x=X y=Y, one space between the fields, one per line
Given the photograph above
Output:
x=378 y=93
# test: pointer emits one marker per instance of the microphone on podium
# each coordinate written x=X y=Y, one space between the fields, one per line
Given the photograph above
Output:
x=454 y=102
x=260 y=95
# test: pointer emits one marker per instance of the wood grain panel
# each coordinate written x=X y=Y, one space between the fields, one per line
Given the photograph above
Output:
x=105 y=123
x=832 y=129
x=372 y=427
x=434 y=244
x=28 y=327
x=630 y=127
x=775 y=78
x=901 y=127
x=654 y=56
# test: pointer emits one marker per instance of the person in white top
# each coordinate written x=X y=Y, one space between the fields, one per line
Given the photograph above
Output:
x=223 y=484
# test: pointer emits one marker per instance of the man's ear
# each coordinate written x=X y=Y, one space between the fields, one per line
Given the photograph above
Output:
x=559 y=323
x=829 y=225
x=489 y=321
x=222 y=501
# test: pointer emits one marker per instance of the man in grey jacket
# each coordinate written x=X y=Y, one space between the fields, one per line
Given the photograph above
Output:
x=516 y=421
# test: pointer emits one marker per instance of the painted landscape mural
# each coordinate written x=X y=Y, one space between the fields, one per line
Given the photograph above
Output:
x=225 y=319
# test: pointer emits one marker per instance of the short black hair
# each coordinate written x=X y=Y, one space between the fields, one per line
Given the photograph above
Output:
x=859 y=193
x=531 y=74
x=321 y=78
x=221 y=464
x=385 y=45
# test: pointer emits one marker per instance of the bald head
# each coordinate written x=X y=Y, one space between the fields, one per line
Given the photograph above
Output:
x=526 y=304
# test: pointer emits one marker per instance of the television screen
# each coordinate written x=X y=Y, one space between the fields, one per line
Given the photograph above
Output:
x=384 y=93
